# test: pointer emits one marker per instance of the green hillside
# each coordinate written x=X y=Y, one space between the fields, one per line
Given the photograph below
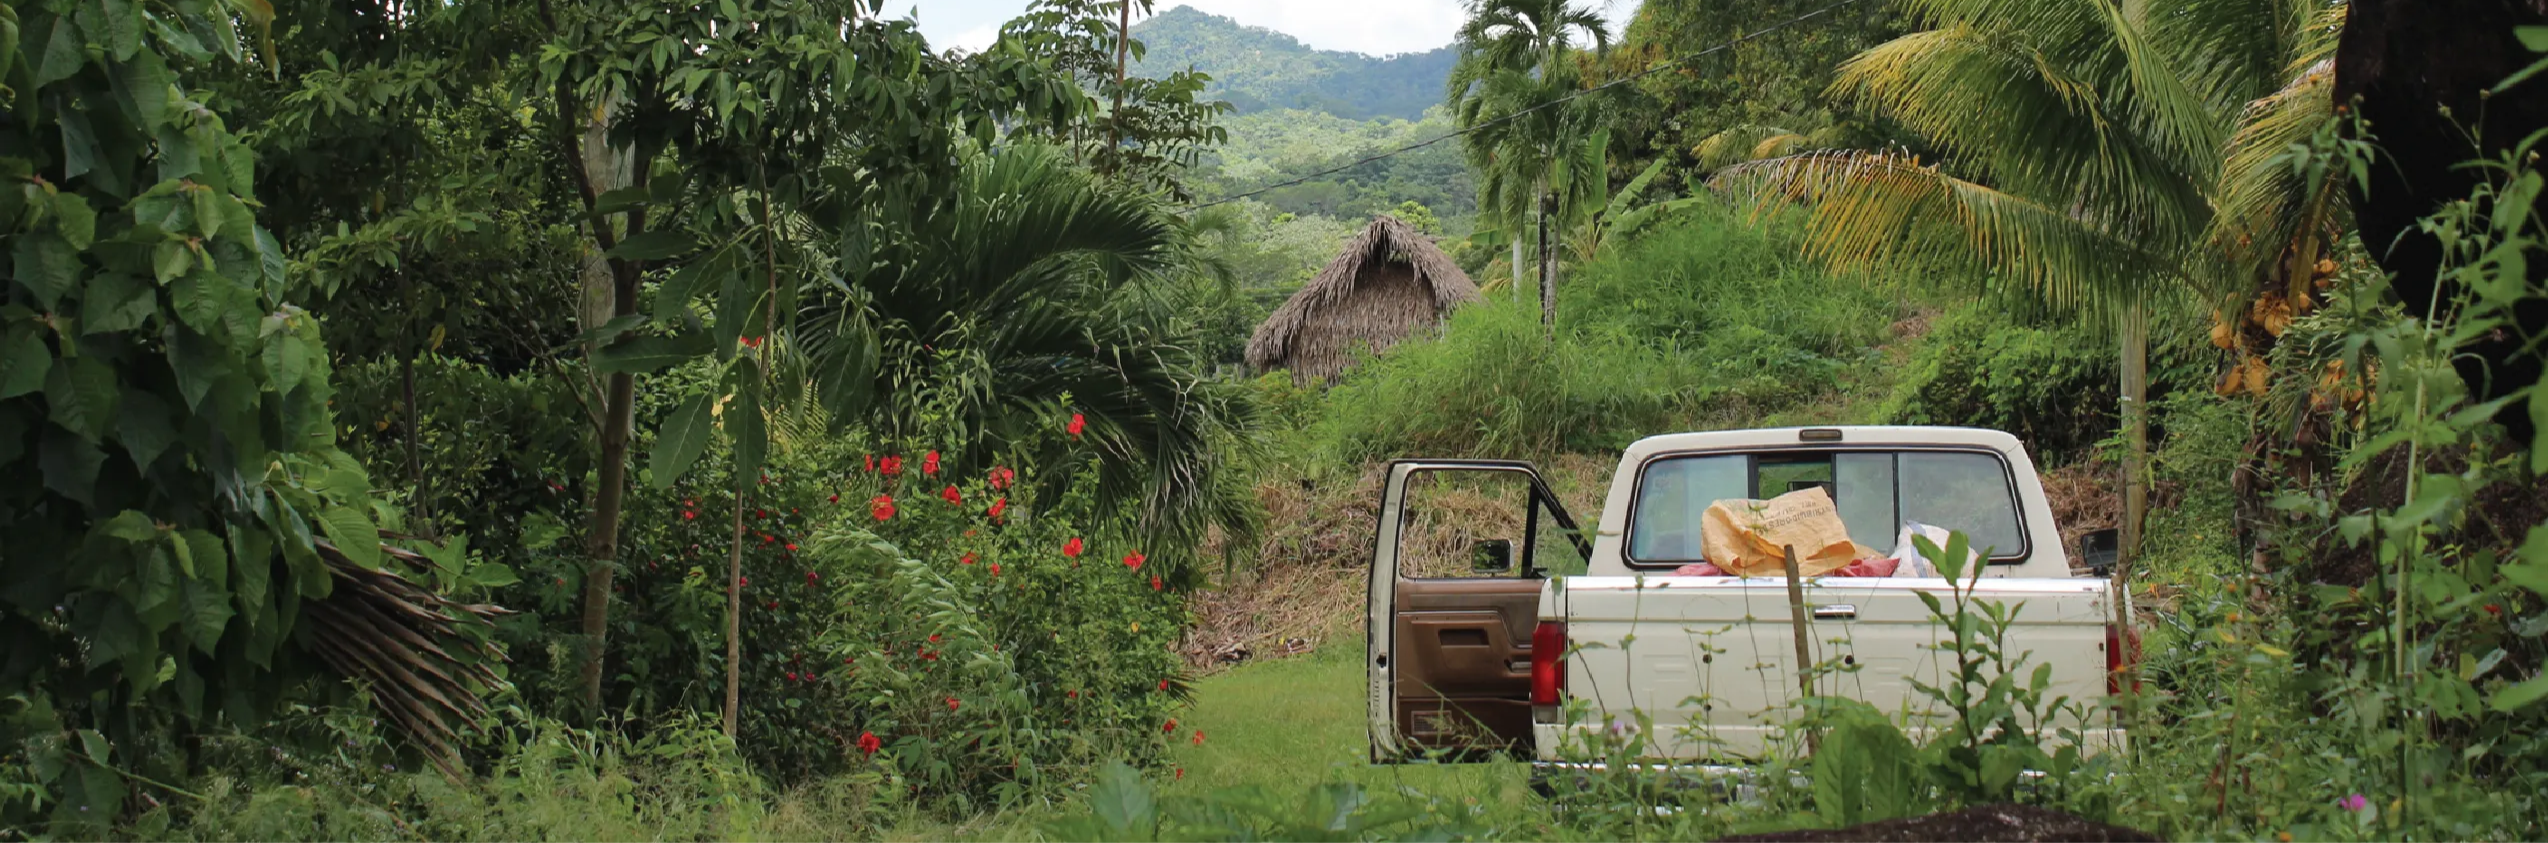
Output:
x=1258 y=69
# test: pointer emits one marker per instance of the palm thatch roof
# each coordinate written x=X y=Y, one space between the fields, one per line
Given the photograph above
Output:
x=1390 y=281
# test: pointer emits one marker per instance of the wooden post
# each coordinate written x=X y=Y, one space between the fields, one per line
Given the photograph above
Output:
x=1803 y=626
x=2136 y=457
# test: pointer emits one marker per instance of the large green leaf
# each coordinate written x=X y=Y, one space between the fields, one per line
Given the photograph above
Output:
x=684 y=438
x=354 y=534
x=641 y=355
x=206 y=612
x=2521 y=695
x=24 y=360
x=82 y=393
x=74 y=219
x=1124 y=803
x=46 y=265
x=117 y=302
x=745 y=429
x=64 y=52
x=655 y=245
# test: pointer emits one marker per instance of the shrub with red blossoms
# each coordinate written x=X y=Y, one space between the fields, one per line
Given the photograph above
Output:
x=869 y=743
x=891 y=466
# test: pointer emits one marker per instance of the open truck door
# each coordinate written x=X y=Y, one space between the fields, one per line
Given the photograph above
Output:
x=1461 y=551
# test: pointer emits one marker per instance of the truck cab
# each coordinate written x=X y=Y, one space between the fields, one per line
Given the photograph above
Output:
x=1490 y=609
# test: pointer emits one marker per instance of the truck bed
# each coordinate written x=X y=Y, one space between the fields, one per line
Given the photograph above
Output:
x=1711 y=659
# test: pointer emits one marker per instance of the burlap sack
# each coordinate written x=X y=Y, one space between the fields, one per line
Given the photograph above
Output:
x=1746 y=537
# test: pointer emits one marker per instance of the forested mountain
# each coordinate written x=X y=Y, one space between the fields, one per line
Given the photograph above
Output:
x=1258 y=69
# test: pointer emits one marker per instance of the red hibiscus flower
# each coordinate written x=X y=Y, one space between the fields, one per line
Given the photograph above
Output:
x=999 y=506
x=774 y=605
x=882 y=507
x=933 y=638
x=1072 y=695
x=952 y=495
x=890 y=465
x=967 y=560
x=836 y=499
x=1134 y=559
x=1078 y=423
x=871 y=463
x=869 y=743
x=791 y=676
x=995 y=569
x=1071 y=548
x=687 y=515
x=1198 y=737
x=1155 y=585
x=953 y=703
x=929 y=463
x=1001 y=477
x=791 y=547
x=812 y=578
x=1171 y=727
x=1163 y=684
x=1181 y=774
x=743 y=582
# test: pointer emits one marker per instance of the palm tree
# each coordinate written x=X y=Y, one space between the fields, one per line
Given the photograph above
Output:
x=2085 y=144
x=1031 y=284
x=1517 y=60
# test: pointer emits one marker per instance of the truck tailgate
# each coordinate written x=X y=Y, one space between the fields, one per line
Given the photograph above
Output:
x=1711 y=659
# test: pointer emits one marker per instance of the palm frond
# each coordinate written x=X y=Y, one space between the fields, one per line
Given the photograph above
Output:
x=426 y=659
x=2266 y=203
x=1879 y=211
x=2050 y=136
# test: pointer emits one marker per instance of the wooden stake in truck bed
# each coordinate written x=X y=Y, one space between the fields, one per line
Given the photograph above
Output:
x=1476 y=652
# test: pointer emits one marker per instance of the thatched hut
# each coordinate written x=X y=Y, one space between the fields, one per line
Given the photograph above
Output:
x=1390 y=282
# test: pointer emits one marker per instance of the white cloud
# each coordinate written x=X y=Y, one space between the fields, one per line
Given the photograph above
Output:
x=1377 y=27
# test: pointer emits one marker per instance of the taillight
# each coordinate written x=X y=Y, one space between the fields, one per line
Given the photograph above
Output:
x=1548 y=662
x=2119 y=651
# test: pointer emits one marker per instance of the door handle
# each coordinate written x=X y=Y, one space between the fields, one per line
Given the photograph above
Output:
x=1836 y=612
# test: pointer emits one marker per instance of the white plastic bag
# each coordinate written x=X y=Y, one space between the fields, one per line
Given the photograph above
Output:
x=1913 y=563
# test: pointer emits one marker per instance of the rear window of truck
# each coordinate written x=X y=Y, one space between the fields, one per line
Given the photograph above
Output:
x=1876 y=492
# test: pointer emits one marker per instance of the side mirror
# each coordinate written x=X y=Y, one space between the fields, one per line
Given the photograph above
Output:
x=2100 y=549
x=1491 y=556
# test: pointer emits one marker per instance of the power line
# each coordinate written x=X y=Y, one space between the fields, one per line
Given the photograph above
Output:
x=1658 y=68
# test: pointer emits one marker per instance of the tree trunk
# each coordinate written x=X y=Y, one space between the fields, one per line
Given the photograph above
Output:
x=609 y=290
x=1547 y=267
x=1518 y=285
x=734 y=617
x=2135 y=331
x=1123 y=51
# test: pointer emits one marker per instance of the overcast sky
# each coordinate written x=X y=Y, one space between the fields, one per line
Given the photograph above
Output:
x=1377 y=27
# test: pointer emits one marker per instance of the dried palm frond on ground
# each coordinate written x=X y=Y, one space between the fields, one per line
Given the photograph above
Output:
x=425 y=659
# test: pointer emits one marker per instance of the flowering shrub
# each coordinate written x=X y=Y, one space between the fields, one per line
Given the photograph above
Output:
x=922 y=621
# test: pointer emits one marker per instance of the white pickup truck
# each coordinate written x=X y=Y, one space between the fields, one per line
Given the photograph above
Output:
x=1472 y=654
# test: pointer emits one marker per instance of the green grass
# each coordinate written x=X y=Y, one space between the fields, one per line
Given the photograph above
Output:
x=1289 y=723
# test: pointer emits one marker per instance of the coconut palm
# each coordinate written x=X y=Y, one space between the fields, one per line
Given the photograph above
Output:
x=2084 y=144
x=1517 y=60
x=1020 y=300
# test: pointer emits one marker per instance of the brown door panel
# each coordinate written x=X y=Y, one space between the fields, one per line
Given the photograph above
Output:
x=1462 y=664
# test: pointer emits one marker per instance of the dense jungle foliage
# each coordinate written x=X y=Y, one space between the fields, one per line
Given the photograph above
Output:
x=603 y=420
